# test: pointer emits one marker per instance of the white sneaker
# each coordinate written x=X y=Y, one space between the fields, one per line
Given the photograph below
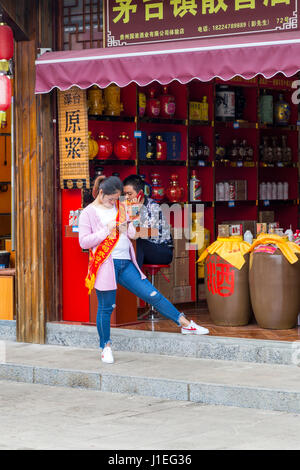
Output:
x=194 y=329
x=107 y=355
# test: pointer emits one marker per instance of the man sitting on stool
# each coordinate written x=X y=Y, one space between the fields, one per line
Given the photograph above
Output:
x=154 y=250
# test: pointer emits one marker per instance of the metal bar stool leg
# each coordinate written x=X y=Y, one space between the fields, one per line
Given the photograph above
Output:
x=151 y=314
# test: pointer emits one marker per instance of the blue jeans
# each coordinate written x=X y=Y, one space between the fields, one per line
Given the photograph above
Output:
x=128 y=276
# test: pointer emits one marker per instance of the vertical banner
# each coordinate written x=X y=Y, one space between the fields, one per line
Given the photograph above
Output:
x=73 y=139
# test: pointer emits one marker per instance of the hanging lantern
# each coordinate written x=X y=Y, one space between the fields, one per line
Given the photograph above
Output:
x=6 y=46
x=5 y=98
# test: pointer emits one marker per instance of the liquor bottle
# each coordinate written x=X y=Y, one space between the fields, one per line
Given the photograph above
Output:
x=240 y=103
x=150 y=148
x=286 y=151
x=199 y=148
x=204 y=108
x=167 y=104
x=282 y=111
x=192 y=151
x=266 y=108
x=147 y=186
x=233 y=151
x=225 y=103
x=242 y=151
x=195 y=187
x=249 y=152
x=161 y=148
x=206 y=152
x=220 y=151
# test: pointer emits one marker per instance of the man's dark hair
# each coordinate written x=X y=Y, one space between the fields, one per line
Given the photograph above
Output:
x=135 y=181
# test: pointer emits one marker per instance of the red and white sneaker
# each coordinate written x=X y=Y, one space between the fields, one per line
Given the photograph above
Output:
x=194 y=329
x=107 y=355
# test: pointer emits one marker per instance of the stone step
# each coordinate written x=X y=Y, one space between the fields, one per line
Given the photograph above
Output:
x=171 y=344
x=218 y=382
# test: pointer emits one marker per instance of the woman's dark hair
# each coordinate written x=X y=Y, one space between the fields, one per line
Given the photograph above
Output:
x=109 y=185
x=135 y=181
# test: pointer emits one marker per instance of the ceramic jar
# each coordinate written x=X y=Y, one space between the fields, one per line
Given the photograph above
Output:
x=95 y=101
x=104 y=147
x=123 y=148
x=112 y=98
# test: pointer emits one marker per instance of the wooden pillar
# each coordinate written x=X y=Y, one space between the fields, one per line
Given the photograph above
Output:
x=35 y=189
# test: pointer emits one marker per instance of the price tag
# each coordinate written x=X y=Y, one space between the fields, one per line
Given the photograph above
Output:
x=75 y=228
x=231 y=203
x=280 y=164
x=236 y=125
x=137 y=134
x=201 y=163
x=239 y=164
x=266 y=202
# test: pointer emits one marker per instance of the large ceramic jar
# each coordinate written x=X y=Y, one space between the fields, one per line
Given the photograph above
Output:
x=274 y=289
x=123 y=148
x=174 y=192
x=104 y=147
x=227 y=291
x=95 y=100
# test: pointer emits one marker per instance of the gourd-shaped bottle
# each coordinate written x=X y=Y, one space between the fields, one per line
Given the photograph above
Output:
x=175 y=192
x=158 y=191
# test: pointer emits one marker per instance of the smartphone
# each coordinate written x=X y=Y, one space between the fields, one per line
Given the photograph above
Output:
x=140 y=195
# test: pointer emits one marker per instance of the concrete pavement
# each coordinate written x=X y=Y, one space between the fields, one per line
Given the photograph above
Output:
x=44 y=417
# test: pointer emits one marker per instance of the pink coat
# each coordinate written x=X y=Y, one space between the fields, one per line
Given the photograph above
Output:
x=91 y=233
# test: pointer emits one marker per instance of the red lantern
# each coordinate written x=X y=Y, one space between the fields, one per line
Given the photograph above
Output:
x=6 y=46
x=5 y=98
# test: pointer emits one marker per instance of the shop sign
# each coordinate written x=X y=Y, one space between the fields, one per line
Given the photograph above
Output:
x=73 y=139
x=145 y=21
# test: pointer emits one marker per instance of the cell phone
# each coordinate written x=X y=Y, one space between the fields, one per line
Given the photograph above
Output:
x=140 y=195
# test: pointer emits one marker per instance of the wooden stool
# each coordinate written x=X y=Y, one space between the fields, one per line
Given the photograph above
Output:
x=153 y=269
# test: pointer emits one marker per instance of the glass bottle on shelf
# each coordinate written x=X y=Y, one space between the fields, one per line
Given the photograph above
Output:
x=233 y=151
x=248 y=152
x=220 y=151
x=266 y=108
x=192 y=151
x=150 y=148
x=276 y=151
x=240 y=103
x=242 y=151
x=199 y=148
x=206 y=152
x=282 y=111
x=161 y=148
x=167 y=104
x=204 y=106
x=286 y=151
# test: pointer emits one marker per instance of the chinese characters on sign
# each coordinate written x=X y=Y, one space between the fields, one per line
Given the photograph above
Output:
x=73 y=139
x=143 y=21
x=220 y=278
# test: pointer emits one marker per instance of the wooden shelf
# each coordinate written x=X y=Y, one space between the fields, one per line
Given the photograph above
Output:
x=112 y=118
x=160 y=120
x=163 y=162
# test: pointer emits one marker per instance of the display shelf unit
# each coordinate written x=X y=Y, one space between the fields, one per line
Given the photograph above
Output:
x=210 y=171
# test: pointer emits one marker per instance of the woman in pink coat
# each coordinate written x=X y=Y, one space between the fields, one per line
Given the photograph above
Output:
x=107 y=235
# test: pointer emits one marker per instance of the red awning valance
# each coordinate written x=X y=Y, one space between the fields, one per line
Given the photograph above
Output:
x=266 y=54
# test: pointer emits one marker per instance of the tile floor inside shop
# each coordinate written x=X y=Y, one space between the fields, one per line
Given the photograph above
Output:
x=199 y=313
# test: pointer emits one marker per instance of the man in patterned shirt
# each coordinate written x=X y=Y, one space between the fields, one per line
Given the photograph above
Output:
x=157 y=249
